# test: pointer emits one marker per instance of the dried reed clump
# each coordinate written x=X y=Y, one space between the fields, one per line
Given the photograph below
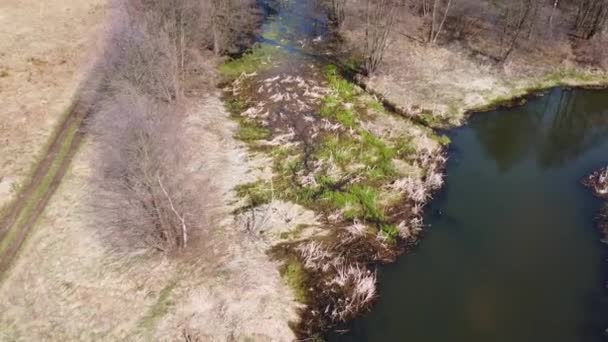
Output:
x=344 y=286
x=418 y=192
x=598 y=182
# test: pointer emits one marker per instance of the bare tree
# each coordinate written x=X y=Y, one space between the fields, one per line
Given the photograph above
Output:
x=516 y=18
x=336 y=11
x=590 y=17
x=232 y=22
x=439 y=14
x=379 y=16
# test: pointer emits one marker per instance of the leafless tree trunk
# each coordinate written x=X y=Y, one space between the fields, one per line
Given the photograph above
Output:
x=436 y=27
x=590 y=18
x=336 y=11
x=515 y=22
x=379 y=16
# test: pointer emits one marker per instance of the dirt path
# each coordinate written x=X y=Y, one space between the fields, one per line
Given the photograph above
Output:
x=24 y=212
x=45 y=47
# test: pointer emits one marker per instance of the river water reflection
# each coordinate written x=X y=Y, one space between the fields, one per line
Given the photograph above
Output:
x=512 y=253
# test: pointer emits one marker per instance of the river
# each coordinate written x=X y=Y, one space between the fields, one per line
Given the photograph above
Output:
x=511 y=252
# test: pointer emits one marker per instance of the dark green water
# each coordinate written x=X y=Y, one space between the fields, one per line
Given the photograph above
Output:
x=511 y=252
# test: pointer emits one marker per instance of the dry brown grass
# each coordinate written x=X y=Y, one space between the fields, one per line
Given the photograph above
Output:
x=42 y=60
x=69 y=284
x=450 y=79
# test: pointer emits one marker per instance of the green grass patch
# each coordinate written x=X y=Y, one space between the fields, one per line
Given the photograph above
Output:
x=235 y=106
x=443 y=140
x=251 y=131
x=375 y=105
x=353 y=63
x=358 y=201
x=257 y=193
x=429 y=119
x=333 y=108
x=295 y=277
x=260 y=56
x=344 y=89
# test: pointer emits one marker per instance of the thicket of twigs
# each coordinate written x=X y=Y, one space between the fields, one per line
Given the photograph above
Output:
x=156 y=53
x=492 y=28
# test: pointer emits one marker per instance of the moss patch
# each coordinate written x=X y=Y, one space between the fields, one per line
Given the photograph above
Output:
x=295 y=277
x=259 y=57
x=257 y=193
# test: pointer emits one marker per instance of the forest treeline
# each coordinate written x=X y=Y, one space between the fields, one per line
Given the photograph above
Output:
x=495 y=28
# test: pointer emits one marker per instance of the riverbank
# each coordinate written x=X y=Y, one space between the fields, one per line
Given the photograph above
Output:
x=441 y=85
x=355 y=175
x=433 y=87
x=511 y=222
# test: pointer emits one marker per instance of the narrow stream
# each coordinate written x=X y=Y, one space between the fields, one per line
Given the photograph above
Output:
x=511 y=252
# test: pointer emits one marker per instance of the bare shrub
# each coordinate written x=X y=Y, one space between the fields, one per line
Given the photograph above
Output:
x=144 y=190
x=438 y=15
x=379 y=16
x=593 y=51
x=516 y=18
x=232 y=24
x=141 y=53
x=143 y=187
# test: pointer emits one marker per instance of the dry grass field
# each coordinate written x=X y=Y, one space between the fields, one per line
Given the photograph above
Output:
x=43 y=58
x=71 y=283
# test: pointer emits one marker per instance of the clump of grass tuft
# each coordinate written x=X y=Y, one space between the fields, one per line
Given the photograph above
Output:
x=344 y=89
x=250 y=131
x=258 y=193
x=443 y=140
x=429 y=119
x=235 y=106
x=358 y=202
x=333 y=108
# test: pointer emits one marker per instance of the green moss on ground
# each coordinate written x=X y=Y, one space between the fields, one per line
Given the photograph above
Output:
x=260 y=56
x=295 y=277
x=257 y=193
